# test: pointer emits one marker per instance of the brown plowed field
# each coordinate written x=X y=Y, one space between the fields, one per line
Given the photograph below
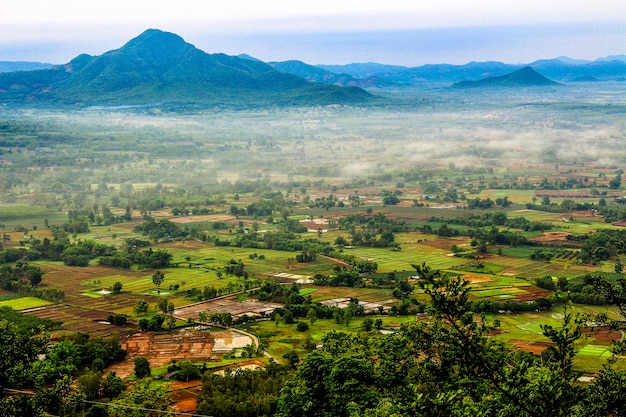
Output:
x=226 y=305
x=162 y=349
x=77 y=319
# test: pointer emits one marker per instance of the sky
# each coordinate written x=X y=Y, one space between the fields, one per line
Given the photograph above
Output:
x=400 y=32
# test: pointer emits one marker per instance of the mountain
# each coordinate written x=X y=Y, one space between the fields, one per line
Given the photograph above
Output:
x=363 y=70
x=572 y=61
x=562 y=69
x=321 y=75
x=248 y=57
x=613 y=58
x=525 y=77
x=160 y=67
x=10 y=66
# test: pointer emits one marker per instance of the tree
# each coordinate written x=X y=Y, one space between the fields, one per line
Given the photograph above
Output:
x=142 y=367
x=20 y=351
x=141 y=395
x=367 y=324
x=141 y=307
x=117 y=287
x=162 y=305
x=157 y=279
x=445 y=365
x=112 y=385
x=89 y=384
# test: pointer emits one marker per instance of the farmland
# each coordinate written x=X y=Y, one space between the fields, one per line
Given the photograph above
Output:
x=337 y=206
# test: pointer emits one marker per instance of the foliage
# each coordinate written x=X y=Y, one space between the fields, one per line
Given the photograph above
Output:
x=242 y=393
x=27 y=323
x=445 y=365
x=142 y=367
x=142 y=396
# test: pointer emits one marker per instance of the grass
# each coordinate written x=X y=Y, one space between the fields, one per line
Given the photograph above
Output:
x=24 y=303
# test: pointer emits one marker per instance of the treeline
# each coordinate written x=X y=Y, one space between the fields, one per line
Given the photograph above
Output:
x=24 y=278
x=27 y=323
x=145 y=259
x=243 y=393
x=75 y=353
x=580 y=291
x=448 y=365
x=80 y=252
x=499 y=218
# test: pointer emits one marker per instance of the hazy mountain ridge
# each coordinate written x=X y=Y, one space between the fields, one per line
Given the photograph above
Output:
x=561 y=69
x=158 y=67
x=11 y=66
x=321 y=75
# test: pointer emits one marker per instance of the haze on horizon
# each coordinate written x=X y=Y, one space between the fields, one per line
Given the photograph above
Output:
x=400 y=32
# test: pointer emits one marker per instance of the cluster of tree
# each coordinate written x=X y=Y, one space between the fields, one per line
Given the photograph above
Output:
x=547 y=254
x=93 y=384
x=447 y=365
x=236 y=268
x=377 y=222
x=73 y=253
x=498 y=218
x=161 y=229
x=208 y=293
x=194 y=211
x=327 y=202
x=363 y=266
x=100 y=216
x=243 y=393
x=599 y=245
x=495 y=236
x=185 y=370
x=391 y=198
x=341 y=277
x=23 y=278
x=262 y=207
x=281 y=240
x=77 y=352
x=221 y=319
x=581 y=291
x=125 y=258
x=510 y=306
x=27 y=323
x=369 y=239
x=478 y=203
x=152 y=324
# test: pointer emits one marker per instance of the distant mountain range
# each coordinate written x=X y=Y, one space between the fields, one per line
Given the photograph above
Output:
x=9 y=66
x=374 y=75
x=160 y=67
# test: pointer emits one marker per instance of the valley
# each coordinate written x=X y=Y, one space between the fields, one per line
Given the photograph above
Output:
x=296 y=223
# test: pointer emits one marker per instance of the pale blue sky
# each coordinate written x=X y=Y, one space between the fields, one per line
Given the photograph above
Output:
x=402 y=32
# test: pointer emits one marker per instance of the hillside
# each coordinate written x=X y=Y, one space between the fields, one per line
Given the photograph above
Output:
x=160 y=67
x=525 y=77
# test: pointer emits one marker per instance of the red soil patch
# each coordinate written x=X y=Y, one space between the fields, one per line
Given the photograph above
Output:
x=443 y=244
x=603 y=334
x=473 y=279
x=76 y=319
x=533 y=293
x=532 y=346
x=161 y=349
